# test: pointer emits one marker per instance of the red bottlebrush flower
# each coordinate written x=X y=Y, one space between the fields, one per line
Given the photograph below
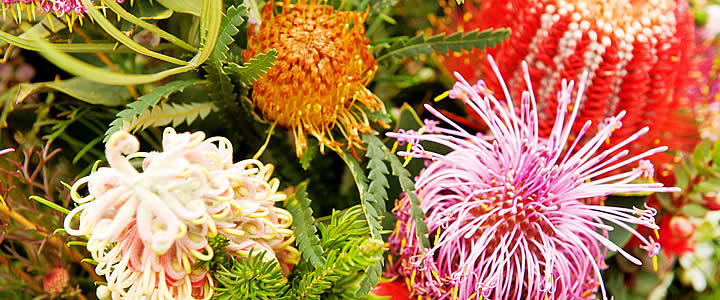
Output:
x=638 y=54
x=396 y=290
x=55 y=281
x=677 y=235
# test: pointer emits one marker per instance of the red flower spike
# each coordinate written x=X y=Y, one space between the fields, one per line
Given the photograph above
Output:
x=638 y=54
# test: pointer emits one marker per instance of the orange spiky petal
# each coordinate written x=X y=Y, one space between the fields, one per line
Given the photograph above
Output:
x=318 y=81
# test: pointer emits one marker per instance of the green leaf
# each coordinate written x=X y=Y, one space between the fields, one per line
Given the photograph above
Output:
x=121 y=37
x=343 y=227
x=210 y=25
x=715 y=155
x=151 y=11
x=379 y=6
x=253 y=69
x=116 y=8
x=228 y=28
x=306 y=237
x=701 y=154
x=250 y=278
x=693 y=210
x=309 y=153
x=79 y=88
x=408 y=118
x=169 y=113
x=134 y=110
x=367 y=200
x=708 y=185
x=50 y=204
x=348 y=261
x=192 y=7
x=455 y=42
x=407 y=185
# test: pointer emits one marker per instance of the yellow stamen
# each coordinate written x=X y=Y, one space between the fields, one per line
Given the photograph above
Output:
x=655 y=263
x=412 y=277
x=442 y=96
x=409 y=157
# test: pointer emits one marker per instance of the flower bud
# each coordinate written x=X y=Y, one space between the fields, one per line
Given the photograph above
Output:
x=680 y=227
x=55 y=281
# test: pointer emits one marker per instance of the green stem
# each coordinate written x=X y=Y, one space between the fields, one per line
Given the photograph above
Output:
x=147 y=26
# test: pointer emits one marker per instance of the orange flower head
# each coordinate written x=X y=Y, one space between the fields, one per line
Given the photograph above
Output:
x=319 y=78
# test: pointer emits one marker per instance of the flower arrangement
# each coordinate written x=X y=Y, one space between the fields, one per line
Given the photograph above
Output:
x=246 y=149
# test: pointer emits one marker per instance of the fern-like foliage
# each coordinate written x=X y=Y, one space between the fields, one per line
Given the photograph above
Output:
x=455 y=42
x=250 y=278
x=367 y=201
x=253 y=69
x=228 y=29
x=169 y=113
x=343 y=227
x=341 y=263
x=131 y=115
x=305 y=231
x=407 y=185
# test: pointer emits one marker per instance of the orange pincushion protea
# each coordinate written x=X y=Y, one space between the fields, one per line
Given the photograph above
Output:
x=638 y=55
x=318 y=81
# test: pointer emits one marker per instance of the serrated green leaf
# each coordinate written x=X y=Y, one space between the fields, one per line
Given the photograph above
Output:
x=131 y=115
x=348 y=261
x=455 y=42
x=407 y=185
x=306 y=237
x=309 y=153
x=372 y=274
x=253 y=69
x=232 y=18
x=169 y=113
x=366 y=200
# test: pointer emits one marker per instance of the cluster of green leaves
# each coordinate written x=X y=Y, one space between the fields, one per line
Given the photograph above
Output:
x=331 y=267
x=698 y=175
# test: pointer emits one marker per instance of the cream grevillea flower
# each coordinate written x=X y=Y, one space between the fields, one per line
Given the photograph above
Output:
x=148 y=229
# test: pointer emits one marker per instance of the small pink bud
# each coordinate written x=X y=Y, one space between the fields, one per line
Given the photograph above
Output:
x=55 y=281
x=680 y=227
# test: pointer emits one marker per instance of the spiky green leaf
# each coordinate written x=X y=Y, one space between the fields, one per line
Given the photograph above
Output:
x=341 y=263
x=306 y=237
x=130 y=117
x=253 y=69
x=455 y=42
x=228 y=28
x=367 y=200
x=407 y=185
x=250 y=278
x=169 y=113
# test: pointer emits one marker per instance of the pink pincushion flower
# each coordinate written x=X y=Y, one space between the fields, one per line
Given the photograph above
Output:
x=506 y=215
x=58 y=7
x=147 y=230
